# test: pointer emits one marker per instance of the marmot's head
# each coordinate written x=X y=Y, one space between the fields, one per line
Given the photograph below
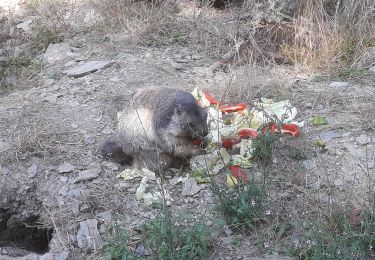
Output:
x=189 y=120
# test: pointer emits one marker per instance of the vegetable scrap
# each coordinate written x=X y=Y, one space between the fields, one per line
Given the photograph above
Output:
x=319 y=120
x=234 y=127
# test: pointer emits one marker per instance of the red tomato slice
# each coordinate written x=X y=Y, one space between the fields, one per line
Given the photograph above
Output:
x=245 y=133
x=212 y=100
x=238 y=173
x=235 y=108
x=291 y=129
x=228 y=143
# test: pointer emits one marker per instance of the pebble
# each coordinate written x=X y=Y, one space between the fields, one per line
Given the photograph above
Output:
x=65 y=168
x=329 y=135
x=87 y=68
x=88 y=235
x=362 y=139
x=339 y=84
x=88 y=175
x=372 y=69
x=89 y=139
x=309 y=165
x=32 y=170
x=4 y=146
x=191 y=187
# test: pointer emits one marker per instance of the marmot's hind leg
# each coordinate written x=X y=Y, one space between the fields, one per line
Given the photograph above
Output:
x=110 y=150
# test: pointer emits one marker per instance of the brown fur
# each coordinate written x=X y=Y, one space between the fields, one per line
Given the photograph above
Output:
x=157 y=131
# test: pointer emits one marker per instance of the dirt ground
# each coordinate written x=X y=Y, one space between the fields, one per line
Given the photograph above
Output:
x=52 y=126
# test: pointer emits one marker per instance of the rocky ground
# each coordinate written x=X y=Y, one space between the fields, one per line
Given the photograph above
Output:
x=51 y=126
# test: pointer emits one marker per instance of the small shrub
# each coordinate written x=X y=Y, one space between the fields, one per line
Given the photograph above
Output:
x=338 y=239
x=45 y=37
x=169 y=241
x=242 y=206
x=116 y=245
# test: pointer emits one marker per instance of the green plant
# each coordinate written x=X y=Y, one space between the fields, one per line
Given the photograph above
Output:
x=116 y=245
x=168 y=241
x=263 y=147
x=337 y=238
x=45 y=37
x=242 y=206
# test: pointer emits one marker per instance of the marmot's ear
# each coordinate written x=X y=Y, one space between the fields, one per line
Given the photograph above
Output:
x=178 y=109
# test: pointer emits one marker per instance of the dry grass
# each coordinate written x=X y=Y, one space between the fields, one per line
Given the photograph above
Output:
x=35 y=132
x=332 y=33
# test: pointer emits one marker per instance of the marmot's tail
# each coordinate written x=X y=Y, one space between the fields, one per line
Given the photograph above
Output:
x=110 y=150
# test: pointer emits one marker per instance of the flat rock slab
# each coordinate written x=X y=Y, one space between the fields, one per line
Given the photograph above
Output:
x=329 y=135
x=65 y=168
x=191 y=187
x=339 y=84
x=88 y=236
x=88 y=175
x=87 y=68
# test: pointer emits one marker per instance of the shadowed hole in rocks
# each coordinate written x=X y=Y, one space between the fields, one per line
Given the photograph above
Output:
x=26 y=235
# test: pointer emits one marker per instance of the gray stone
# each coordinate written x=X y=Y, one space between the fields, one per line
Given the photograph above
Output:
x=329 y=135
x=65 y=168
x=309 y=165
x=32 y=170
x=88 y=236
x=372 y=69
x=105 y=215
x=191 y=187
x=87 y=68
x=63 y=256
x=47 y=256
x=26 y=25
x=362 y=140
x=4 y=146
x=89 y=139
x=88 y=175
x=228 y=231
x=371 y=164
x=339 y=84
x=56 y=52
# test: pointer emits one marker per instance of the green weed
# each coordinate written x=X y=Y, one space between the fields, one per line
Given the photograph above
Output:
x=338 y=239
x=242 y=206
x=168 y=241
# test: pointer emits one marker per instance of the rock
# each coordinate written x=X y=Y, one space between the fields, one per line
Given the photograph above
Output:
x=88 y=175
x=367 y=59
x=106 y=216
x=339 y=84
x=26 y=25
x=47 y=256
x=74 y=125
x=65 y=168
x=107 y=131
x=89 y=139
x=69 y=64
x=371 y=164
x=4 y=146
x=32 y=170
x=191 y=187
x=352 y=150
x=309 y=165
x=88 y=236
x=329 y=135
x=177 y=66
x=87 y=68
x=362 y=140
x=228 y=231
x=84 y=208
x=372 y=69
x=55 y=52
x=63 y=256
x=209 y=223
x=142 y=250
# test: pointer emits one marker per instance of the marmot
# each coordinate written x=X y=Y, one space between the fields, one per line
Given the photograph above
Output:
x=159 y=130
